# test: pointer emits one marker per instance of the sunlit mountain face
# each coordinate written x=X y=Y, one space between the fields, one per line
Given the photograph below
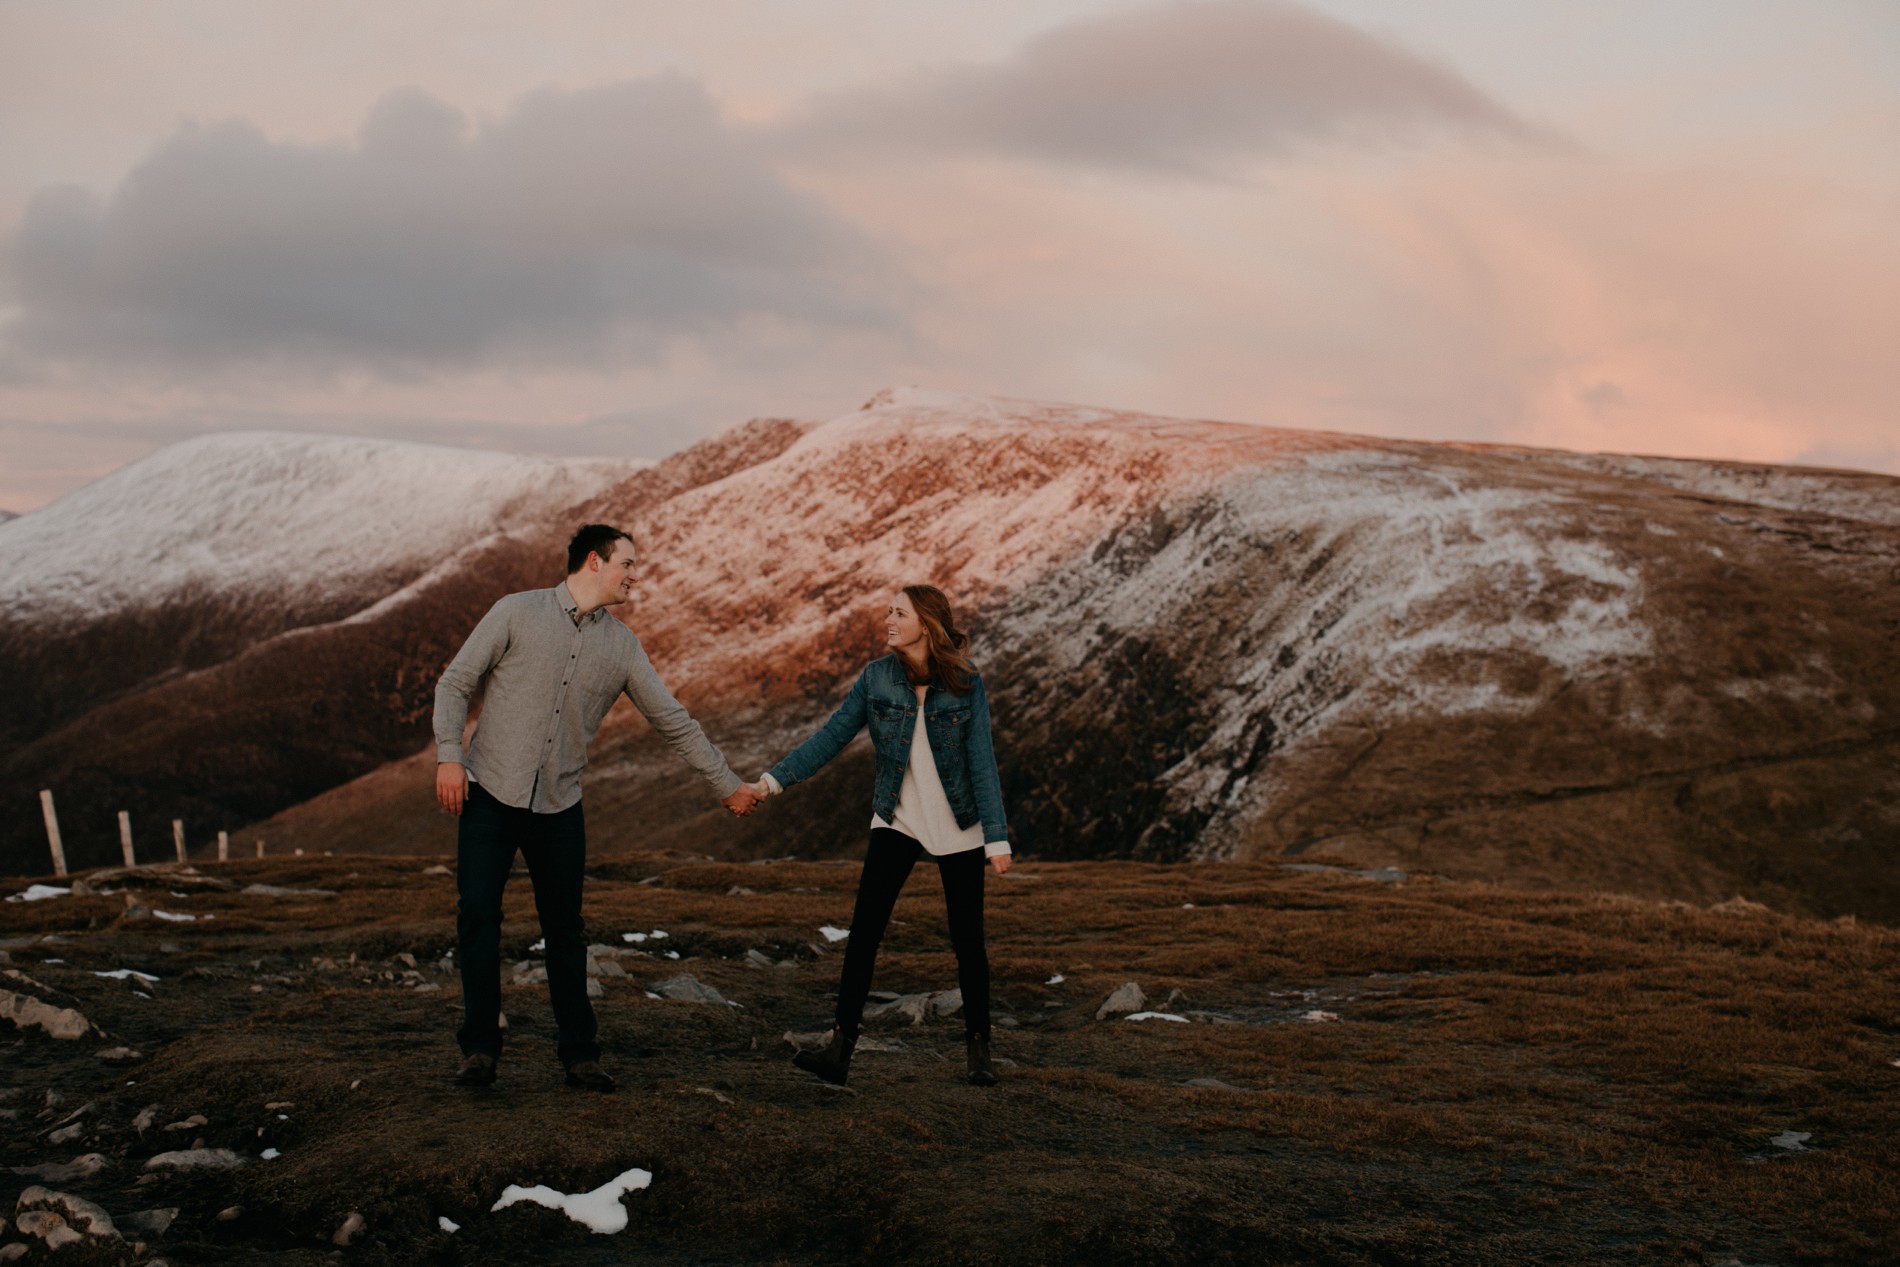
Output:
x=1200 y=640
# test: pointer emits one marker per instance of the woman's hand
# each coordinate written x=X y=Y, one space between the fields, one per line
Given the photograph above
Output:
x=1001 y=862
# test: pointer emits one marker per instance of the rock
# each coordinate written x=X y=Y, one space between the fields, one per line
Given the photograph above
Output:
x=1739 y=905
x=1316 y=1015
x=230 y=1214
x=1211 y=1084
x=191 y=1123
x=437 y=869
x=196 y=1158
x=1126 y=998
x=77 y=1213
x=758 y=958
x=604 y=965
x=739 y=890
x=272 y=890
x=153 y=1222
x=913 y=1007
x=351 y=1229
x=595 y=990
x=685 y=988
x=406 y=959
x=868 y=1043
x=66 y=1134
x=147 y=1116
x=82 y=1167
x=118 y=1055
x=808 y=1042
x=49 y=1227
x=28 y=1012
x=12 y=1253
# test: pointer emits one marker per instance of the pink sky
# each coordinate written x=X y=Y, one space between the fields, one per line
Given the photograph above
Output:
x=617 y=228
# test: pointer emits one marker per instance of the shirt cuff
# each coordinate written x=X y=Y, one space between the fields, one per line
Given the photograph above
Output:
x=449 y=751
x=771 y=784
x=995 y=847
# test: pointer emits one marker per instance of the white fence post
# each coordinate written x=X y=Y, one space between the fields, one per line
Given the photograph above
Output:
x=224 y=846
x=52 y=831
x=260 y=848
x=178 y=837
x=125 y=839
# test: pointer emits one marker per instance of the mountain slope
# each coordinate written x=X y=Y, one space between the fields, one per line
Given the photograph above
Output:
x=1216 y=640
x=184 y=558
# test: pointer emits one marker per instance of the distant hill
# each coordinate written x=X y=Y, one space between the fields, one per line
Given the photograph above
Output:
x=1201 y=639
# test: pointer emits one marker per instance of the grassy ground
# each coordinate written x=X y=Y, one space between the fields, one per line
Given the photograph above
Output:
x=1512 y=1077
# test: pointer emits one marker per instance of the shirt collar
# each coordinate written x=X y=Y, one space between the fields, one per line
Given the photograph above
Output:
x=565 y=598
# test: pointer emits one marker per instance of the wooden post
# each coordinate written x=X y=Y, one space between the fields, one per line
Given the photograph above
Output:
x=260 y=848
x=178 y=837
x=52 y=832
x=224 y=846
x=125 y=839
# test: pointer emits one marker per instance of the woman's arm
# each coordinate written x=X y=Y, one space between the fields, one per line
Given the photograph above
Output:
x=984 y=780
x=810 y=757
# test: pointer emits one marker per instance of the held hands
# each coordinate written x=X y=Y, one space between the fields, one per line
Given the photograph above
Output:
x=747 y=798
x=451 y=787
x=744 y=800
x=1001 y=862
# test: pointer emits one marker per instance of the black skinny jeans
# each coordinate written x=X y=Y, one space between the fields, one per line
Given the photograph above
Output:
x=555 y=849
x=887 y=865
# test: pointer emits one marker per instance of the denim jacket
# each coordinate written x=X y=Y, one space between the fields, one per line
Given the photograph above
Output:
x=959 y=731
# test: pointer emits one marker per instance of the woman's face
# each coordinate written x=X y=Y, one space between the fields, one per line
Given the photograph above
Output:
x=902 y=629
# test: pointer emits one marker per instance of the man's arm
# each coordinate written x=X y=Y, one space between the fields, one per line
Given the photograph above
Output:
x=478 y=655
x=684 y=735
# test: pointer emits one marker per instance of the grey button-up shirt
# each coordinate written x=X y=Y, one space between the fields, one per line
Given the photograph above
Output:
x=550 y=682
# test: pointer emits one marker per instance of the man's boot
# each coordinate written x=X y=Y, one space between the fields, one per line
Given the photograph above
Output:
x=478 y=1070
x=833 y=1062
x=981 y=1074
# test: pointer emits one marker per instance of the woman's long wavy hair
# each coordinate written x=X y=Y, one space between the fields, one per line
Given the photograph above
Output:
x=946 y=658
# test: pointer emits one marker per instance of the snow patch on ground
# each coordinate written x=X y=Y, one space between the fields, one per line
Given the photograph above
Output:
x=598 y=1211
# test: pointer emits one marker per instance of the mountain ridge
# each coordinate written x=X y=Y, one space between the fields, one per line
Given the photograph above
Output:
x=1216 y=640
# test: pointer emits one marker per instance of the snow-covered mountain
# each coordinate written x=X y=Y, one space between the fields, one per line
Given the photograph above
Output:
x=1201 y=639
x=182 y=560
x=304 y=522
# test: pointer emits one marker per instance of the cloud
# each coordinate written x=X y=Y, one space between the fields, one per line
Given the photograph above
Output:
x=1198 y=89
x=579 y=227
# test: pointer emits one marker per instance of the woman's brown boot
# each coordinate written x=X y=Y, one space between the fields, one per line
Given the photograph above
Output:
x=981 y=1074
x=833 y=1062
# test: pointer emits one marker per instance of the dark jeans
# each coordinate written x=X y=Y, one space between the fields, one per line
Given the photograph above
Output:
x=555 y=848
x=887 y=865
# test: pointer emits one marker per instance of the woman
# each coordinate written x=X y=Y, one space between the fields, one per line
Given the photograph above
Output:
x=936 y=794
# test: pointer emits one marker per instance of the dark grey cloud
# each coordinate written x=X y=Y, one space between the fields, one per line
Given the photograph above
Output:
x=1198 y=89
x=579 y=227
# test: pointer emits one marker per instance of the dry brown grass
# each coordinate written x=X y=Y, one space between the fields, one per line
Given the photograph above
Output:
x=1514 y=1078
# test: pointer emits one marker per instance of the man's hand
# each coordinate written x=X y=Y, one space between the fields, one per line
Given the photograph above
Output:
x=1000 y=861
x=451 y=787
x=743 y=801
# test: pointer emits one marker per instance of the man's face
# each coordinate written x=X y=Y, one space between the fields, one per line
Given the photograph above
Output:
x=616 y=574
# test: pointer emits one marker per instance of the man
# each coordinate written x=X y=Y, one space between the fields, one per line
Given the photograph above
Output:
x=554 y=662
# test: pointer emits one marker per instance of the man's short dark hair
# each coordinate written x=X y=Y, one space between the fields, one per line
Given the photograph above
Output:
x=593 y=539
